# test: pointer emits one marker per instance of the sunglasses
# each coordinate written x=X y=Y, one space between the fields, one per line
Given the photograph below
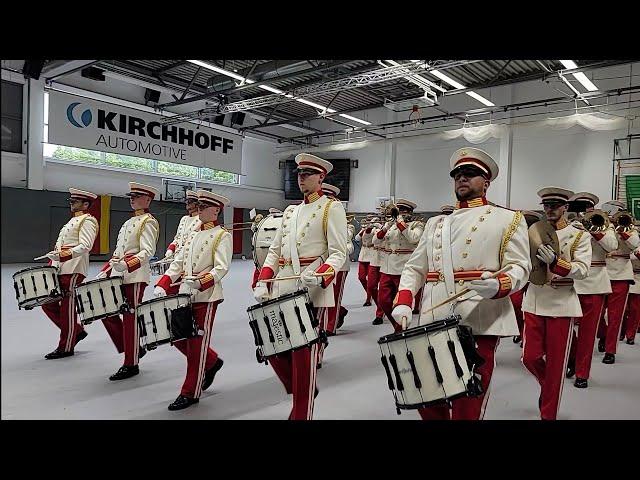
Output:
x=552 y=206
x=307 y=172
x=467 y=173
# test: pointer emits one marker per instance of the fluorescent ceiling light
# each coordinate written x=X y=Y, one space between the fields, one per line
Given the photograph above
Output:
x=580 y=76
x=481 y=99
x=364 y=122
x=449 y=80
x=268 y=88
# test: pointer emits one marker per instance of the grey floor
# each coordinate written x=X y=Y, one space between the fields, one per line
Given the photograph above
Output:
x=352 y=381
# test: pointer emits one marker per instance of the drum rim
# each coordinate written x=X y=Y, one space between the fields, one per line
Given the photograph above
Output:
x=453 y=320
x=274 y=301
x=40 y=297
x=415 y=406
x=315 y=340
x=37 y=267
x=98 y=280
x=157 y=299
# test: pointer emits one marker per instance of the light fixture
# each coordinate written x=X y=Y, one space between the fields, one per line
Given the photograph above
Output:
x=458 y=85
x=580 y=76
x=219 y=70
x=315 y=105
x=364 y=122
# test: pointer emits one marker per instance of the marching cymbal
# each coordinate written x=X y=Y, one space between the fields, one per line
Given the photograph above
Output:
x=541 y=233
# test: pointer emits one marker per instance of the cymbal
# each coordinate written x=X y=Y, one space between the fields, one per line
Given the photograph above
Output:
x=541 y=233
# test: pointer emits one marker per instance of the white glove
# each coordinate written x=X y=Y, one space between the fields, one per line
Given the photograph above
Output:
x=637 y=254
x=261 y=292
x=120 y=266
x=546 y=254
x=486 y=287
x=402 y=312
x=159 y=292
x=309 y=279
x=400 y=219
x=193 y=283
x=168 y=254
x=101 y=275
x=387 y=225
x=55 y=256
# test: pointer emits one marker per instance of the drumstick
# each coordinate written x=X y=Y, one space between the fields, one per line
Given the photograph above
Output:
x=191 y=277
x=467 y=290
x=40 y=258
x=295 y=277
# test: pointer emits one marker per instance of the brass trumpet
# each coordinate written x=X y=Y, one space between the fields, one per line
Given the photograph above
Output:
x=595 y=221
x=623 y=221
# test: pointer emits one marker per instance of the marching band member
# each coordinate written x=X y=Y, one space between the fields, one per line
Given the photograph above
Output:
x=373 y=275
x=336 y=314
x=620 y=272
x=311 y=240
x=592 y=292
x=461 y=250
x=136 y=244
x=549 y=309
x=401 y=240
x=254 y=227
x=365 y=237
x=633 y=302
x=71 y=256
x=206 y=255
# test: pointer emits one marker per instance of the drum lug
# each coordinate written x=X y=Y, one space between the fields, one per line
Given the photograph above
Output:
x=124 y=308
x=398 y=410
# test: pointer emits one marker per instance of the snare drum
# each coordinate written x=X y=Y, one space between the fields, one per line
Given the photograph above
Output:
x=160 y=267
x=36 y=286
x=430 y=364
x=283 y=324
x=263 y=236
x=99 y=299
x=165 y=320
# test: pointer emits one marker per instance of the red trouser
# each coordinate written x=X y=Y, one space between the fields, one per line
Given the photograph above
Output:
x=387 y=292
x=200 y=357
x=545 y=353
x=373 y=278
x=581 y=351
x=633 y=315
x=469 y=408
x=338 y=309
x=516 y=300
x=417 y=302
x=63 y=313
x=297 y=372
x=616 y=302
x=363 y=271
x=124 y=333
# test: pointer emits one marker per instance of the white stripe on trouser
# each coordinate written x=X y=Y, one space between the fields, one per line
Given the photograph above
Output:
x=136 y=338
x=323 y=317
x=340 y=292
x=204 y=349
x=485 y=399
x=564 y=364
x=71 y=310
x=312 y=380
x=624 y=309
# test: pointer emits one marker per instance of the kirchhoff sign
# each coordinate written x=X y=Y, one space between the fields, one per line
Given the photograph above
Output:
x=86 y=123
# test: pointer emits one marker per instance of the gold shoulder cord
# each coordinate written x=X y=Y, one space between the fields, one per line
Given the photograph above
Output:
x=325 y=217
x=575 y=244
x=147 y=218
x=216 y=244
x=509 y=233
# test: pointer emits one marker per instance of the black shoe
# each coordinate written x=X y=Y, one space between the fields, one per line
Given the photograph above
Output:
x=609 y=358
x=581 y=383
x=517 y=339
x=366 y=304
x=340 y=321
x=331 y=334
x=81 y=336
x=182 y=402
x=601 y=347
x=621 y=337
x=319 y=366
x=540 y=402
x=125 y=371
x=316 y=393
x=571 y=370
x=141 y=353
x=377 y=321
x=210 y=374
x=630 y=342
x=58 y=354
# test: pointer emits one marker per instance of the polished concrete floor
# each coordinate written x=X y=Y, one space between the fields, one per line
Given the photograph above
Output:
x=352 y=381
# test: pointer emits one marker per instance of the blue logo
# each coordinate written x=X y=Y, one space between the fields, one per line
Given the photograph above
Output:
x=85 y=118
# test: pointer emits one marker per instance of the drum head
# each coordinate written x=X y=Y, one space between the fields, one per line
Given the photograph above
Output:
x=39 y=301
x=541 y=233
x=280 y=299
x=184 y=296
x=446 y=323
x=39 y=267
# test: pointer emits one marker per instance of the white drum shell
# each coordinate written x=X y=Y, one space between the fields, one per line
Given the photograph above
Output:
x=90 y=296
x=160 y=333
x=36 y=283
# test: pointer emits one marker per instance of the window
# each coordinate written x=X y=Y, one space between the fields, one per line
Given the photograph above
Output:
x=116 y=160
x=11 y=117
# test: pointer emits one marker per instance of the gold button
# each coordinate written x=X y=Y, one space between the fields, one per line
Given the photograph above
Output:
x=438 y=235
x=313 y=216
x=488 y=210
x=464 y=255
x=481 y=219
x=437 y=257
x=461 y=282
x=303 y=234
x=468 y=241
x=474 y=228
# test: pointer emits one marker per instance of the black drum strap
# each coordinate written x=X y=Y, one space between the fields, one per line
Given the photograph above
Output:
x=167 y=319
x=432 y=354
x=33 y=280
x=143 y=326
x=104 y=304
x=416 y=377
x=394 y=365
x=152 y=314
x=266 y=322
x=80 y=303
x=90 y=301
x=113 y=292
x=297 y=310
x=385 y=364
x=46 y=284
x=314 y=321
x=24 y=290
x=284 y=324
x=15 y=286
x=454 y=357
x=256 y=333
